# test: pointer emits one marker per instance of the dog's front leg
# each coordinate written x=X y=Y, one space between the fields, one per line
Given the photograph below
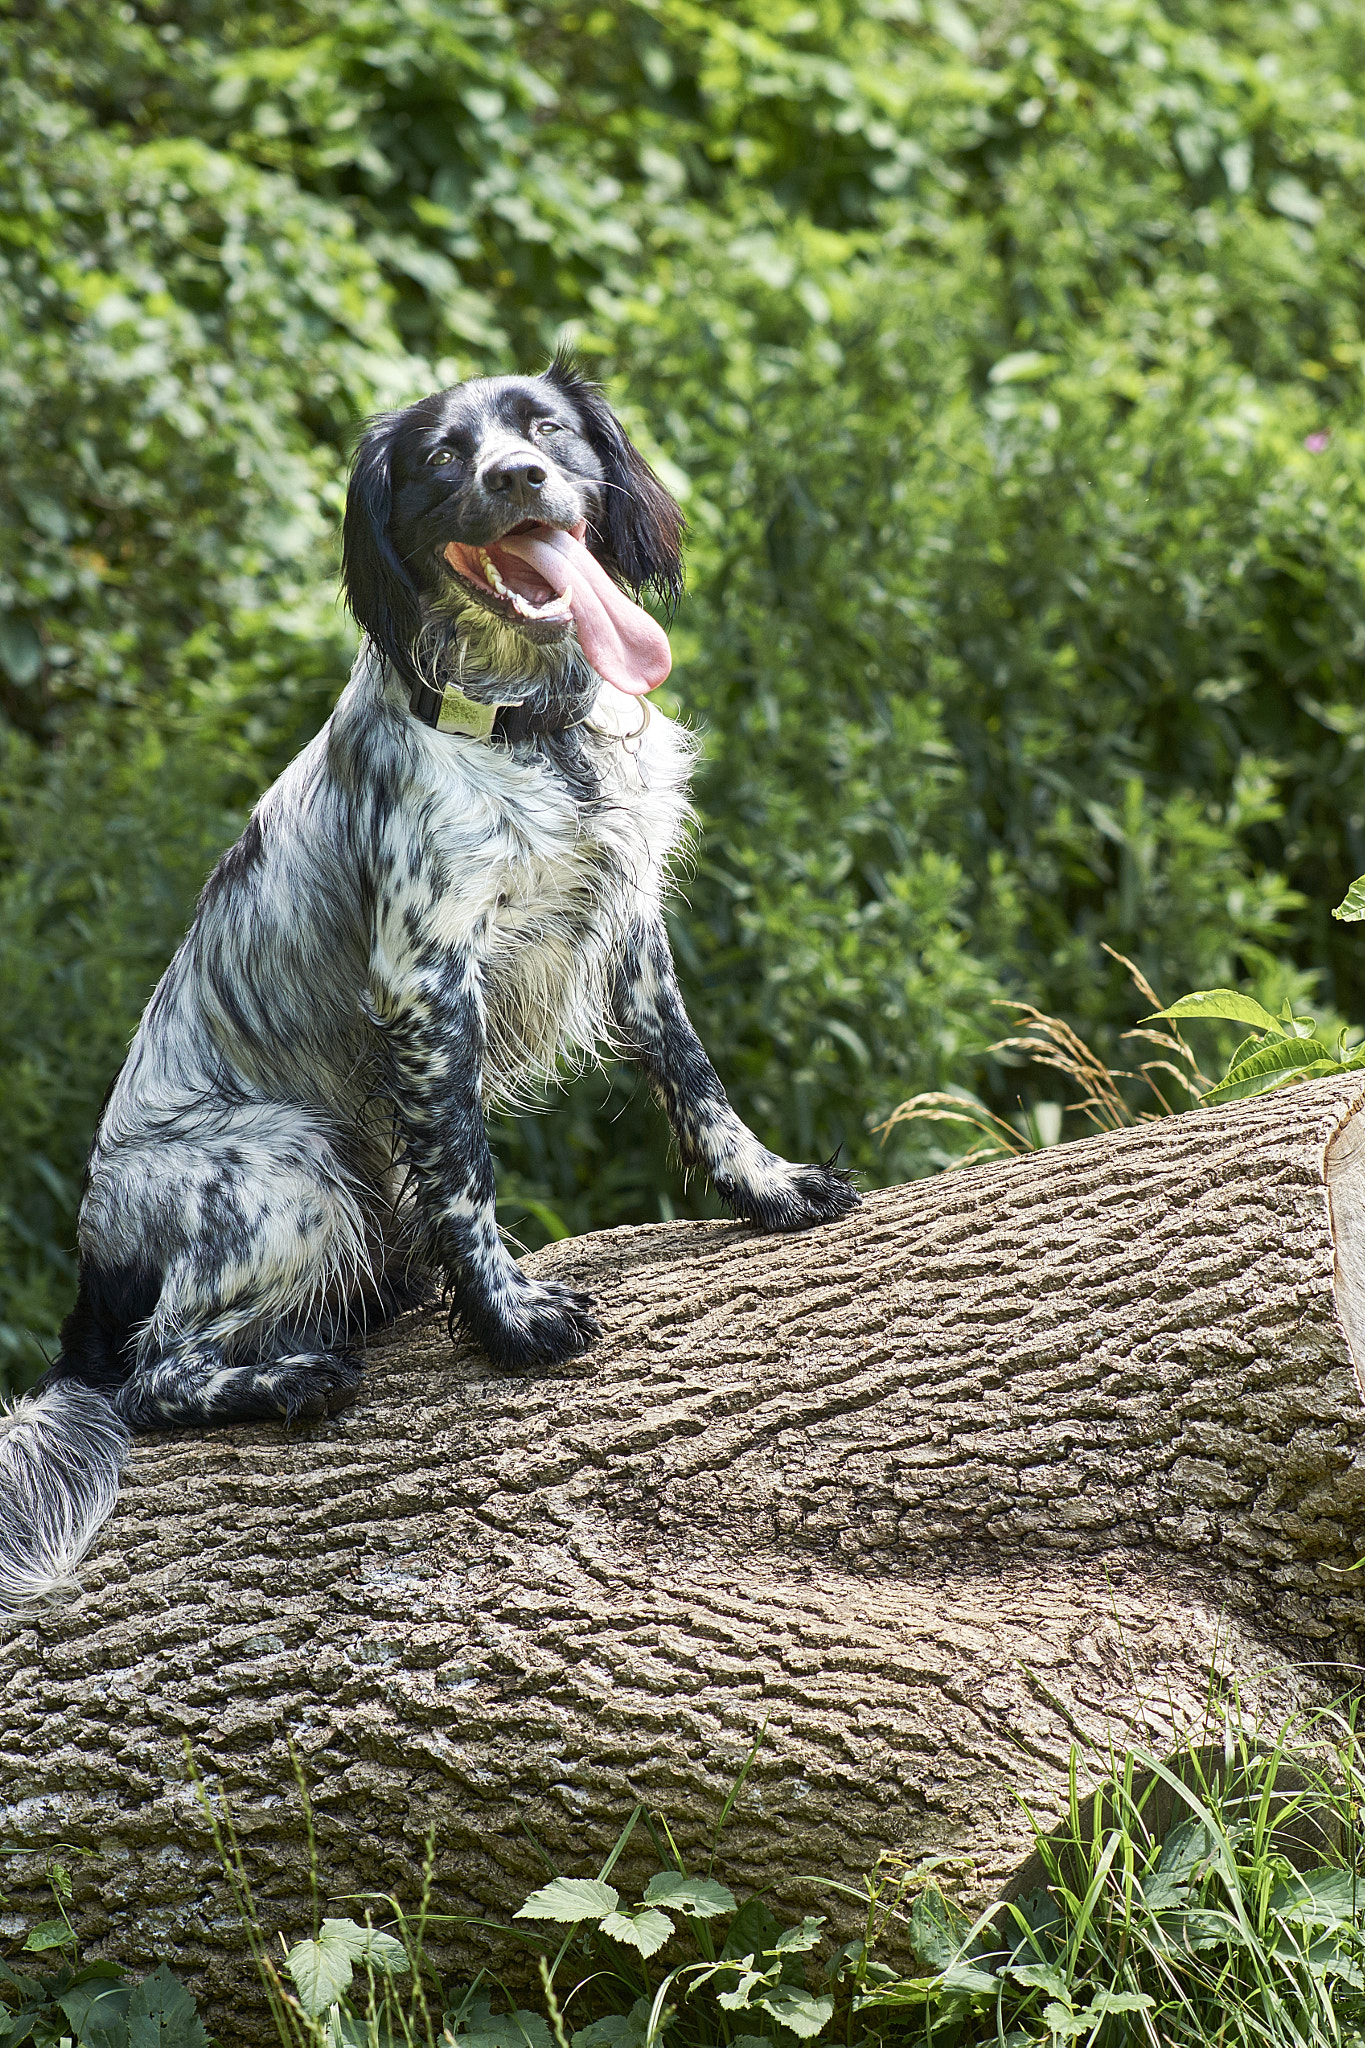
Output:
x=430 y=1023
x=754 y=1183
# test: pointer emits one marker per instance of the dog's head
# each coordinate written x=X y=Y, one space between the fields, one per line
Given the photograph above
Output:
x=468 y=511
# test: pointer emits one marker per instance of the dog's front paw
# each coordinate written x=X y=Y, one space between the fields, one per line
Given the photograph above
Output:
x=786 y=1197
x=539 y=1325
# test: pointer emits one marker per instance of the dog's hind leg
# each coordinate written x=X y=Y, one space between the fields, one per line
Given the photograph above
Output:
x=200 y=1380
x=264 y=1265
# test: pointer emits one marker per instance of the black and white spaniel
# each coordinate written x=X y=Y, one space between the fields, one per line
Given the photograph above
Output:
x=456 y=887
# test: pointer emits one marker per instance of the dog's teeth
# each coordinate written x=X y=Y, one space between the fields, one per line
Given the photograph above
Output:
x=560 y=605
x=490 y=570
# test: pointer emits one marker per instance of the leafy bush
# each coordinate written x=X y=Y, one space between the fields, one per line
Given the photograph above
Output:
x=1009 y=364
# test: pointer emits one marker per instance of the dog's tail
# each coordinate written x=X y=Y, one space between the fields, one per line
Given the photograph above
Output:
x=62 y=1449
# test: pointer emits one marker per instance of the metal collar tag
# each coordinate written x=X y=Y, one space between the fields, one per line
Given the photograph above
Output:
x=461 y=714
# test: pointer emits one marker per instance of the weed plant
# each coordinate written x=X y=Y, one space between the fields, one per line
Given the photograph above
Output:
x=1213 y=1897
x=51 y=1998
x=1216 y=1896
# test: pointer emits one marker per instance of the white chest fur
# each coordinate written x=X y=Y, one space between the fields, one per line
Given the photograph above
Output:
x=544 y=889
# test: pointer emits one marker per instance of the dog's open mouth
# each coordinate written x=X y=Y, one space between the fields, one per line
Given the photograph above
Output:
x=539 y=577
x=516 y=587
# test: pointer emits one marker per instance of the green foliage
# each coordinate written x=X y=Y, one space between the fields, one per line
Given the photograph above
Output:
x=1237 y=1916
x=1352 y=907
x=1214 y=1896
x=322 y=1969
x=1009 y=363
x=1283 y=1049
x=65 y=2003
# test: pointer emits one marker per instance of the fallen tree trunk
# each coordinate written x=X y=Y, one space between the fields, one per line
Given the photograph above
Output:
x=1054 y=1451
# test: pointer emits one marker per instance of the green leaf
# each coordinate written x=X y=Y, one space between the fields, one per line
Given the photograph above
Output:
x=161 y=2014
x=801 y=2012
x=48 y=1934
x=481 y=2027
x=1351 y=908
x=701 y=1897
x=21 y=651
x=937 y=1931
x=616 y=2029
x=1282 y=1056
x=88 y=2005
x=1105 y=2002
x=797 y=1940
x=1024 y=367
x=1320 y=1898
x=969 y=1977
x=1228 y=1003
x=737 y=2000
x=384 y=1952
x=321 y=1971
x=752 y=1932
x=645 y=1929
x=569 y=1900
x=1038 y=1977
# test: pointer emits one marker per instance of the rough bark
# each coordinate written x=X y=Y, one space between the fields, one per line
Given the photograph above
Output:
x=1053 y=1451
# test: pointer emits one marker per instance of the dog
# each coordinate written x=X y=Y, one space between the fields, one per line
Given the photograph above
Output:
x=455 y=888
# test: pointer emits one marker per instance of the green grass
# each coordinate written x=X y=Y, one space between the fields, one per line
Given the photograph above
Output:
x=1213 y=1897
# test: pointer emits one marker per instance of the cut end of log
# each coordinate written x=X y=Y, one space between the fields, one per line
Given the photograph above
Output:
x=1344 y=1171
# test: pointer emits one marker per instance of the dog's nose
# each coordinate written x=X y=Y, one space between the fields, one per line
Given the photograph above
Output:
x=516 y=476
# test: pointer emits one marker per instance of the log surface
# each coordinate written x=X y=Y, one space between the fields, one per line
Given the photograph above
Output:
x=1030 y=1454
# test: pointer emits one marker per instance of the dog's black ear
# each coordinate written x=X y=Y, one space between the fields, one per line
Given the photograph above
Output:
x=378 y=588
x=644 y=528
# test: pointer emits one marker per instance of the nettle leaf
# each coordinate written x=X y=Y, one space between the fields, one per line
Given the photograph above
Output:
x=752 y=1932
x=481 y=2027
x=1320 y=1898
x=569 y=1900
x=645 y=1929
x=1119 y=2001
x=702 y=1897
x=616 y=2029
x=963 y=1976
x=935 y=1930
x=96 y=2004
x=382 y=1951
x=1351 y=908
x=801 y=2012
x=795 y=1940
x=1227 y=1003
x=1038 y=1977
x=161 y=2014
x=738 y=1999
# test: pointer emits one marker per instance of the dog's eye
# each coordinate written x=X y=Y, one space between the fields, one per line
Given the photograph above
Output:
x=439 y=457
x=547 y=427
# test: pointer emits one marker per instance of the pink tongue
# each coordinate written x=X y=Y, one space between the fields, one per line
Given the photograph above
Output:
x=621 y=640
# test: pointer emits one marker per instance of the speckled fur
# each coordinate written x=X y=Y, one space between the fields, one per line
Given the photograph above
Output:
x=414 y=926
